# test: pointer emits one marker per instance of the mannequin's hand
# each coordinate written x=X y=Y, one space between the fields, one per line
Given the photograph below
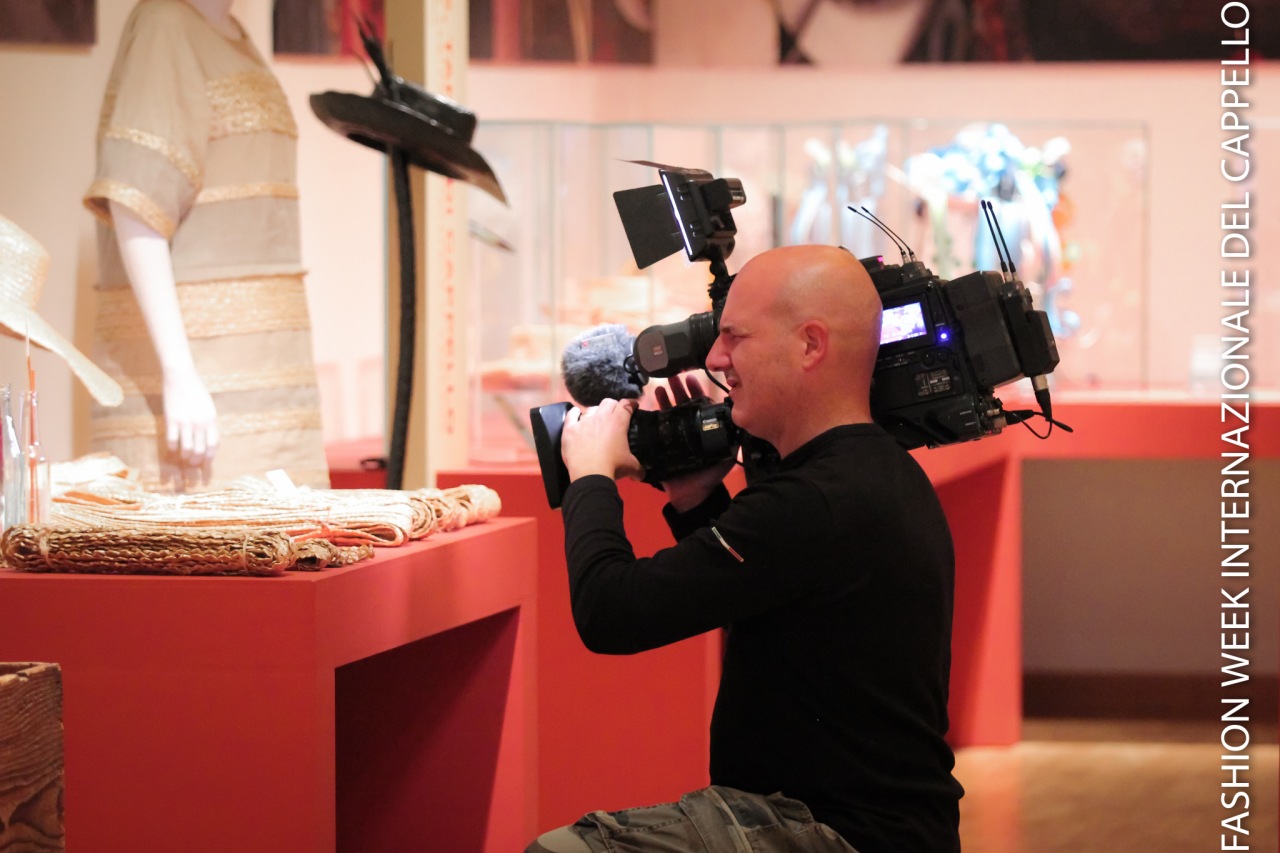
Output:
x=595 y=441
x=191 y=431
x=191 y=423
x=687 y=491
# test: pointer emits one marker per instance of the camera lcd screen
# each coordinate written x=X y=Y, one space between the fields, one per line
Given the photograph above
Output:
x=902 y=323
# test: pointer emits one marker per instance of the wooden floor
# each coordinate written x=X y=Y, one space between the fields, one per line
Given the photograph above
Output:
x=1084 y=786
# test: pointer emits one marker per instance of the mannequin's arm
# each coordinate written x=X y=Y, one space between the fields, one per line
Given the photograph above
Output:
x=191 y=429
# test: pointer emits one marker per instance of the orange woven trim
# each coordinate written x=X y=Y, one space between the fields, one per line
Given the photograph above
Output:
x=134 y=199
x=237 y=192
x=262 y=379
x=161 y=146
x=252 y=102
x=212 y=309
x=148 y=426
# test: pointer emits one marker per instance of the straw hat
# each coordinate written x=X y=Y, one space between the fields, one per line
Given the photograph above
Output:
x=23 y=266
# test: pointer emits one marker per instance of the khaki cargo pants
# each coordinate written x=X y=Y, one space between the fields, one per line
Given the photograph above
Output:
x=711 y=820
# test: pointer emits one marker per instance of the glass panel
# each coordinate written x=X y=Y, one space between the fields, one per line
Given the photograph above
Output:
x=1077 y=235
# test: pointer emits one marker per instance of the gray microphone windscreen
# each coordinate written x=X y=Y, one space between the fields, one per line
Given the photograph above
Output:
x=594 y=365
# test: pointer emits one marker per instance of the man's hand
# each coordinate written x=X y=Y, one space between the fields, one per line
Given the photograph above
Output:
x=689 y=490
x=595 y=441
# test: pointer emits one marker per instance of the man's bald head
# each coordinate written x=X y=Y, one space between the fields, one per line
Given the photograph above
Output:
x=799 y=335
x=829 y=284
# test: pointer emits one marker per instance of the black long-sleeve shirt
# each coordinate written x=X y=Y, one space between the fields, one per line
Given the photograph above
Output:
x=834 y=577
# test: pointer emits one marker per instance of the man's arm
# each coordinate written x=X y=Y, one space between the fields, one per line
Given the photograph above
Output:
x=685 y=522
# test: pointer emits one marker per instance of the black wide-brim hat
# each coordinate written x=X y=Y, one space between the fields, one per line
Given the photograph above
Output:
x=433 y=131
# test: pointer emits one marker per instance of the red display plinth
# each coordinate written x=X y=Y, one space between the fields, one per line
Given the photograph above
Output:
x=377 y=707
x=980 y=485
x=613 y=732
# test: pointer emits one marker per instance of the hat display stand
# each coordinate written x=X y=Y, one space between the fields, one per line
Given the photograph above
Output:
x=413 y=127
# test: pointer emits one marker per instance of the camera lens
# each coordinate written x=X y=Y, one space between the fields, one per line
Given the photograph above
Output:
x=682 y=439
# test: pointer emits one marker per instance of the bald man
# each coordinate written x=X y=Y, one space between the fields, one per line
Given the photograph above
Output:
x=833 y=575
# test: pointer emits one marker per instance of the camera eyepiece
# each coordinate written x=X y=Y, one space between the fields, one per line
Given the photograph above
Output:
x=667 y=350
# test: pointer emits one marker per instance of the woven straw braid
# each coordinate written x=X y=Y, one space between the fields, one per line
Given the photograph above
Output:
x=317 y=554
x=107 y=524
x=379 y=518
x=480 y=503
x=449 y=512
x=45 y=548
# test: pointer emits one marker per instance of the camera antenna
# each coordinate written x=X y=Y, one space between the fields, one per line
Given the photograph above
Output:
x=903 y=249
x=997 y=236
x=1040 y=382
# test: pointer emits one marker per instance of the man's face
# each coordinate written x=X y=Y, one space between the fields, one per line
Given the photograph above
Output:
x=753 y=353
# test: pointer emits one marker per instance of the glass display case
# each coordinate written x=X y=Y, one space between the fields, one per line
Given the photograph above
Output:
x=1071 y=200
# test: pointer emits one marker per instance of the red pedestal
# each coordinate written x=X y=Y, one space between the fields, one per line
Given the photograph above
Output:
x=980 y=485
x=612 y=732
x=382 y=706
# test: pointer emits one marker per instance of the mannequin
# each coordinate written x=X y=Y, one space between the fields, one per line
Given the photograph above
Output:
x=218 y=14
x=202 y=313
x=191 y=421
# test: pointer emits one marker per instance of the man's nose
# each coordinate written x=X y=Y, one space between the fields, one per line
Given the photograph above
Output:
x=717 y=359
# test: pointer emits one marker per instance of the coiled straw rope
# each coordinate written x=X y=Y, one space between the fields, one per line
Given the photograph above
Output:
x=42 y=548
x=246 y=528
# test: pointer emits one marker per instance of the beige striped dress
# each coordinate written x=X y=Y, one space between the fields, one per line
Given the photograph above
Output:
x=196 y=138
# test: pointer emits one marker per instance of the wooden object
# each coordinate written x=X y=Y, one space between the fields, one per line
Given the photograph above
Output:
x=31 y=758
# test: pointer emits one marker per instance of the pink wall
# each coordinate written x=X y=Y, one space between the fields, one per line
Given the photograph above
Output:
x=1177 y=102
x=46 y=161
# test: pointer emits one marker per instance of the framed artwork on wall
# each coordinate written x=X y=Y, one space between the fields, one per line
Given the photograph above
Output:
x=54 y=22
x=323 y=27
x=824 y=32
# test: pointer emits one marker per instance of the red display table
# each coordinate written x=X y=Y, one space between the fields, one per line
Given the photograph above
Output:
x=382 y=706
x=612 y=731
x=980 y=485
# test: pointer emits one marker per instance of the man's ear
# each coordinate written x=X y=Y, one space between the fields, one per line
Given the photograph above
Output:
x=816 y=338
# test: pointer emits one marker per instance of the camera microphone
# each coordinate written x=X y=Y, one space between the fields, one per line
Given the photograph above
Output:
x=595 y=366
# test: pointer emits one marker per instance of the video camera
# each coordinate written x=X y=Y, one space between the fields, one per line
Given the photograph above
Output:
x=688 y=210
x=945 y=346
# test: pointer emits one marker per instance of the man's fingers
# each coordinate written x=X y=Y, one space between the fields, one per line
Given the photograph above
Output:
x=694 y=387
x=678 y=389
x=664 y=399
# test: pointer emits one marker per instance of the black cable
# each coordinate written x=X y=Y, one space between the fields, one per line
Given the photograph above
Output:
x=1022 y=416
x=714 y=381
x=408 y=317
